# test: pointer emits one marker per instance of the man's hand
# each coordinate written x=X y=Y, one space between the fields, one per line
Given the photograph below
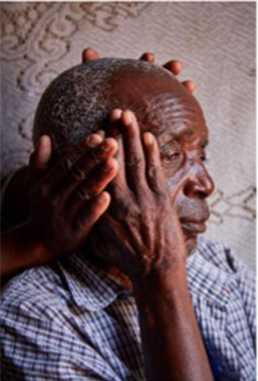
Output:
x=69 y=199
x=142 y=222
x=141 y=235
x=65 y=203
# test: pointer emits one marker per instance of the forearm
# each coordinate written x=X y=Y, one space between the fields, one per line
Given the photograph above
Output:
x=19 y=251
x=15 y=204
x=172 y=344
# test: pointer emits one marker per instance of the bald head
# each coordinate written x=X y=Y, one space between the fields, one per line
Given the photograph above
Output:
x=78 y=102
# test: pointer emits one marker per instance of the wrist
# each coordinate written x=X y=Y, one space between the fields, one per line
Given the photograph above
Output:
x=38 y=253
x=14 y=200
x=162 y=281
x=32 y=252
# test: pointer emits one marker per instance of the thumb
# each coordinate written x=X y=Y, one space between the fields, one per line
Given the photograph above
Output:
x=42 y=154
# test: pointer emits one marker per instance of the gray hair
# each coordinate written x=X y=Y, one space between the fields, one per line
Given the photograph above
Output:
x=77 y=103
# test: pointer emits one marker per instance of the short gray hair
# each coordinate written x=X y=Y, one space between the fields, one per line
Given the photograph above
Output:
x=77 y=103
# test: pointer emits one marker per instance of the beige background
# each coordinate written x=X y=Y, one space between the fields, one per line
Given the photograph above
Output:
x=216 y=42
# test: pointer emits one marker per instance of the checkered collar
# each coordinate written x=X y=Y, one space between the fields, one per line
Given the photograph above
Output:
x=94 y=290
x=90 y=286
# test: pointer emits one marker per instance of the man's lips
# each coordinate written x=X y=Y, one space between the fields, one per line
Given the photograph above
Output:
x=193 y=217
x=193 y=227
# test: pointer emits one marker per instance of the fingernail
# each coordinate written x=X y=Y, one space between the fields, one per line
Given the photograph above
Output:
x=148 y=138
x=94 y=140
x=115 y=114
x=101 y=133
x=44 y=139
x=104 y=197
x=128 y=118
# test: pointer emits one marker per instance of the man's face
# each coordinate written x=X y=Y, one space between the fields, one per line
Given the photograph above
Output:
x=182 y=134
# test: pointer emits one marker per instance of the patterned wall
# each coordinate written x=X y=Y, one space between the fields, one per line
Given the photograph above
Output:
x=216 y=42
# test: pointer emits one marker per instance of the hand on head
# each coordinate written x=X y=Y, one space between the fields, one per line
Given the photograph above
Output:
x=174 y=66
x=70 y=196
x=142 y=216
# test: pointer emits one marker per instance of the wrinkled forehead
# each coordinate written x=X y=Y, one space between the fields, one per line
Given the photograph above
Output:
x=180 y=116
x=161 y=103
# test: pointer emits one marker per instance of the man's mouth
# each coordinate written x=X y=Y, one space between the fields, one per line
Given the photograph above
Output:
x=191 y=227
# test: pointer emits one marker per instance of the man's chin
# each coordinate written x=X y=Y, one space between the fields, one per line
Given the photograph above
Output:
x=191 y=244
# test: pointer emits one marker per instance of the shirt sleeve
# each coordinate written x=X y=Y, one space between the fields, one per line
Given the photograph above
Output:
x=39 y=343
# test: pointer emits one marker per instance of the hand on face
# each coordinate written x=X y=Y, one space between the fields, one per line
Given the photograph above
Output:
x=141 y=232
x=69 y=198
x=174 y=66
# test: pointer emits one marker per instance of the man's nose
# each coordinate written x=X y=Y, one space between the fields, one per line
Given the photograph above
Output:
x=200 y=183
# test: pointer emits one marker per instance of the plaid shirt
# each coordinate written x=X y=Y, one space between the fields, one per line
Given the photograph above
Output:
x=70 y=321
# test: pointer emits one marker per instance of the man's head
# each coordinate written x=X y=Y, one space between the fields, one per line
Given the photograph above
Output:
x=79 y=101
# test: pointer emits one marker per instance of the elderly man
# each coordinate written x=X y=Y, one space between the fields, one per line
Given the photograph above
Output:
x=141 y=298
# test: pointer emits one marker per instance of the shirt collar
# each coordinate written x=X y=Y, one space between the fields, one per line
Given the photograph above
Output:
x=89 y=285
x=93 y=289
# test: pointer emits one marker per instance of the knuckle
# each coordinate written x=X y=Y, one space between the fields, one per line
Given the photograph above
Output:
x=135 y=162
x=79 y=225
x=83 y=195
x=121 y=209
x=78 y=173
x=95 y=186
x=95 y=155
x=67 y=162
x=162 y=197
x=123 y=212
x=152 y=172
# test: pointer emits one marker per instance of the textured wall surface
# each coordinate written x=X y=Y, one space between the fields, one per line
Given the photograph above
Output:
x=216 y=42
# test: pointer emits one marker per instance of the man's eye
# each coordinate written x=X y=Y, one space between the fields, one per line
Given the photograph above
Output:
x=173 y=157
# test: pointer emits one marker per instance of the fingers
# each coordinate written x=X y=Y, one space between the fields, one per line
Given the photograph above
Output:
x=89 y=54
x=115 y=115
x=95 y=183
x=91 y=212
x=148 y=57
x=96 y=153
x=174 y=66
x=134 y=155
x=75 y=166
x=154 y=171
x=190 y=86
x=42 y=154
x=101 y=133
x=119 y=184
